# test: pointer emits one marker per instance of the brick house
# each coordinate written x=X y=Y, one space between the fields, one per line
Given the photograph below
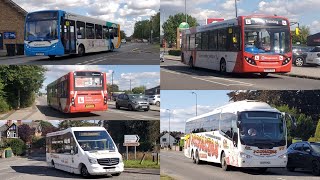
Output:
x=12 y=18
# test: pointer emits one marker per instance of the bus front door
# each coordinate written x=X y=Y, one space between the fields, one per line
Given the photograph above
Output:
x=69 y=37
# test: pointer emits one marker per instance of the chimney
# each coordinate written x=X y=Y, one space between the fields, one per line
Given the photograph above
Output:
x=9 y=122
x=19 y=122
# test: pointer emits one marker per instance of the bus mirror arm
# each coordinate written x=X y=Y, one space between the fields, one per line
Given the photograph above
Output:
x=292 y=119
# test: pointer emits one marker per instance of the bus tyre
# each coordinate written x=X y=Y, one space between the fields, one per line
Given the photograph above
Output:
x=193 y=158
x=84 y=171
x=197 y=158
x=263 y=75
x=116 y=174
x=52 y=57
x=224 y=164
x=223 y=66
x=81 y=50
x=191 y=63
x=316 y=168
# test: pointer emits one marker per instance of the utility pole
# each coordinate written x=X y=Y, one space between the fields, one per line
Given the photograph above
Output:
x=196 y=102
x=236 y=6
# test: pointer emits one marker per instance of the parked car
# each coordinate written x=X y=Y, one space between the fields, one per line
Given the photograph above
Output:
x=154 y=99
x=304 y=155
x=162 y=57
x=302 y=55
x=123 y=41
x=132 y=102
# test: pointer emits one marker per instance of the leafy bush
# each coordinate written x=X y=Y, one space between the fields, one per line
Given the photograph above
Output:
x=17 y=145
x=39 y=142
x=4 y=107
x=175 y=52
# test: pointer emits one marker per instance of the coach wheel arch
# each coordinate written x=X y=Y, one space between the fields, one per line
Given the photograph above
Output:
x=81 y=50
x=223 y=65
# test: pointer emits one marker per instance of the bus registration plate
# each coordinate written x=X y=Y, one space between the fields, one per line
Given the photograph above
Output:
x=144 y=107
x=269 y=70
x=39 y=54
x=265 y=162
x=89 y=105
x=111 y=170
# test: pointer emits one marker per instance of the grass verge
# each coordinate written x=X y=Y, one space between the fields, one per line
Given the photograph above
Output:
x=145 y=164
x=165 y=177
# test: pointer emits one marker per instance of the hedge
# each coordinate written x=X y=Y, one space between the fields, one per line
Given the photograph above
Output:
x=175 y=52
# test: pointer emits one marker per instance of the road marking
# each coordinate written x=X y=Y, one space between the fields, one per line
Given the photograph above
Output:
x=92 y=61
x=236 y=83
x=134 y=116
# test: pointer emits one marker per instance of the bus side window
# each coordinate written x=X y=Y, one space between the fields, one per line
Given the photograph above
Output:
x=98 y=30
x=111 y=30
x=89 y=31
x=105 y=32
x=80 y=30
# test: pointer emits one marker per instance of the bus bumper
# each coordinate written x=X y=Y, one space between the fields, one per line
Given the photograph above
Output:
x=97 y=169
x=54 y=50
x=276 y=67
x=267 y=163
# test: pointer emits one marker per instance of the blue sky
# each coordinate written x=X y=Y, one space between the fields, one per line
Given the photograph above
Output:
x=124 y=12
x=305 y=12
x=182 y=105
x=148 y=76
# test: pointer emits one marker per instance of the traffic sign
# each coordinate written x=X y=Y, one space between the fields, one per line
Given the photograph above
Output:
x=131 y=138
x=131 y=144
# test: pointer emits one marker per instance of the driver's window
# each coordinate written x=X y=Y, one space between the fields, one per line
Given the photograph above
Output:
x=306 y=148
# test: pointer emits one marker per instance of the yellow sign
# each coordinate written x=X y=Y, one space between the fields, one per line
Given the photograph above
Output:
x=230 y=30
x=67 y=23
x=234 y=39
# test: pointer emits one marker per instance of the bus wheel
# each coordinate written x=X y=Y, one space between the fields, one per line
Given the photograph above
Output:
x=197 y=158
x=223 y=66
x=84 y=171
x=193 y=158
x=224 y=164
x=116 y=174
x=191 y=63
x=52 y=57
x=81 y=50
x=263 y=75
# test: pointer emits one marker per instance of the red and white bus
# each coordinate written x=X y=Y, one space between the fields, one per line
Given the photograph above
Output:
x=79 y=91
x=247 y=44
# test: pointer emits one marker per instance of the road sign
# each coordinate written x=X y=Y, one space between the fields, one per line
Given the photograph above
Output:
x=131 y=144
x=131 y=138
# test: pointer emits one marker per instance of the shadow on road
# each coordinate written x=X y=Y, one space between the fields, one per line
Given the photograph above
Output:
x=72 y=56
x=49 y=172
x=207 y=72
x=48 y=111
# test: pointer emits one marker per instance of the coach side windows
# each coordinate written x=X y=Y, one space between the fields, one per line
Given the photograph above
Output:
x=90 y=31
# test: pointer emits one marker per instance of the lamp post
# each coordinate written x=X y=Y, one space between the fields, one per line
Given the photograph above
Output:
x=169 y=128
x=236 y=6
x=196 y=102
x=112 y=84
x=185 y=10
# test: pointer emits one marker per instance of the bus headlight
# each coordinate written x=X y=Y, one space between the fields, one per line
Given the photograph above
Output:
x=286 y=61
x=93 y=161
x=120 y=159
x=72 y=101
x=250 y=61
x=283 y=156
x=245 y=156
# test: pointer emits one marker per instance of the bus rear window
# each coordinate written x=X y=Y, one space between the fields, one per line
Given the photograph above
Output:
x=88 y=82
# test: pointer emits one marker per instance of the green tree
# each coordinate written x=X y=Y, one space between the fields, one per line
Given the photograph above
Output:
x=21 y=83
x=112 y=88
x=316 y=137
x=171 y=25
x=142 y=29
x=302 y=38
x=155 y=24
x=123 y=34
x=4 y=106
x=46 y=127
x=139 y=90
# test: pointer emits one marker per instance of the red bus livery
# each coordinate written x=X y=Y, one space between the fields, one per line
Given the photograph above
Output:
x=79 y=91
x=247 y=44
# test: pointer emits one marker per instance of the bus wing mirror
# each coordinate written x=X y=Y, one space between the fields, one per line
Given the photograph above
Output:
x=238 y=124
x=292 y=119
x=235 y=139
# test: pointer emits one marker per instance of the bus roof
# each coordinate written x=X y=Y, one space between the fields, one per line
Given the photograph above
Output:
x=77 y=17
x=71 y=129
x=239 y=106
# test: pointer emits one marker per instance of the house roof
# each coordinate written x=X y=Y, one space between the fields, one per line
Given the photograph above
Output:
x=16 y=6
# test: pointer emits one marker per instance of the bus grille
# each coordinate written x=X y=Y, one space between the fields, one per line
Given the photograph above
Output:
x=108 y=161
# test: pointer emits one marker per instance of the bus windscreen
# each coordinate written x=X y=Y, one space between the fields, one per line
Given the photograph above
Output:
x=94 y=140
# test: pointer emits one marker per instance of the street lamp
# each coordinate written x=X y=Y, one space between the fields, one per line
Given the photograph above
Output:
x=196 y=103
x=236 y=6
x=169 y=127
x=112 y=84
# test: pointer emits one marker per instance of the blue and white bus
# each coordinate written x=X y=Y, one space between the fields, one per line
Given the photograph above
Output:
x=55 y=33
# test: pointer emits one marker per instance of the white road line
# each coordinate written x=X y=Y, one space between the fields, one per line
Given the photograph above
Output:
x=208 y=80
x=92 y=61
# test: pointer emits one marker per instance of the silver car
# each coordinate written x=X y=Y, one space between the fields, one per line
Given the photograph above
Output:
x=132 y=102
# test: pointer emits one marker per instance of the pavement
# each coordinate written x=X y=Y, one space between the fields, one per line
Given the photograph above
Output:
x=129 y=53
x=41 y=111
x=176 y=165
x=18 y=168
x=309 y=72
